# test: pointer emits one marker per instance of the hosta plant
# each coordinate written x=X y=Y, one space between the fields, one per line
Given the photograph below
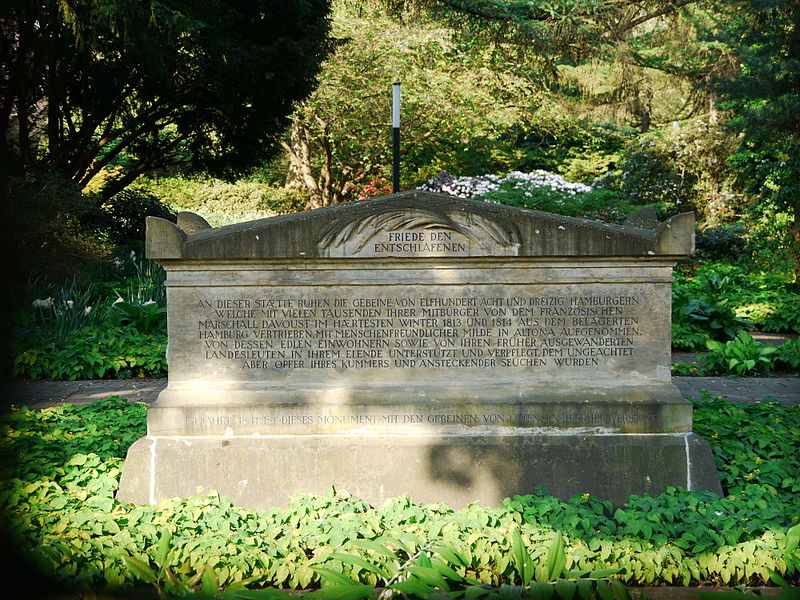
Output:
x=740 y=356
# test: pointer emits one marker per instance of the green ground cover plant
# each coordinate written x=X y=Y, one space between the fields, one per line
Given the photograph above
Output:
x=716 y=301
x=61 y=468
x=743 y=356
x=108 y=329
x=740 y=356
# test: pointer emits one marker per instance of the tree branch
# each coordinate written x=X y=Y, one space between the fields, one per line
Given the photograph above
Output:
x=525 y=11
x=132 y=174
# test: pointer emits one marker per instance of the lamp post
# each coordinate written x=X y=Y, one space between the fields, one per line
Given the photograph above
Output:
x=396 y=138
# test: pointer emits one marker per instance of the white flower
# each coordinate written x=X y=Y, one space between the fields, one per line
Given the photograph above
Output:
x=69 y=303
x=467 y=187
x=39 y=303
x=133 y=255
x=118 y=300
x=87 y=310
x=149 y=302
x=117 y=263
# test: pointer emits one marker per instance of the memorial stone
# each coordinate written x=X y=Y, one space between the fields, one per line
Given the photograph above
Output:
x=452 y=350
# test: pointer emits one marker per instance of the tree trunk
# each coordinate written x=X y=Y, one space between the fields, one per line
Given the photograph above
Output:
x=322 y=186
x=713 y=111
x=300 y=174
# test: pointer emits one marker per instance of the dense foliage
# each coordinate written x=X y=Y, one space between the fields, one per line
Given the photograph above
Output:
x=61 y=468
x=716 y=301
x=95 y=93
x=113 y=329
x=95 y=84
x=763 y=98
x=221 y=202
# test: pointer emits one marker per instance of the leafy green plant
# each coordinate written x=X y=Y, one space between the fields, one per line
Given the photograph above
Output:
x=760 y=299
x=597 y=204
x=696 y=321
x=785 y=315
x=143 y=280
x=147 y=317
x=94 y=352
x=740 y=356
x=754 y=444
x=58 y=311
x=60 y=468
x=771 y=311
x=788 y=354
x=684 y=369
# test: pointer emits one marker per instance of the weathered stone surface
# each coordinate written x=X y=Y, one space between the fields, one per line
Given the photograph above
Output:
x=389 y=226
x=420 y=336
x=414 y=319
x=454 y=469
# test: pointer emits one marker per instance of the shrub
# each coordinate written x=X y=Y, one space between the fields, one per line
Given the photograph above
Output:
x=55 y=312
x=371 y=187
x=461 y=187
x=577 y=150
x=770 y=242
x=682 y=168
x=648 y=175
x=741 y=356
x=788 y=355
x=74 y=331
x=93 y=352
x=122 y=217
x=45 y=213
x=468 y=187
x=587 y=165
x=772 y=312
x=722 y=243
x=696 y=320
x=599 y=205
x=538 y=190
x=240 y=198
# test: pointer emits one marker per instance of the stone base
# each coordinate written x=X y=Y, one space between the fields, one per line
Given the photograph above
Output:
x=415 y=409
x=262 y=472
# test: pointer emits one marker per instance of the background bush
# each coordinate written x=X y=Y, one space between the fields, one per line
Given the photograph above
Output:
x=114 y=329
x=215 y=197
x=122 y=217
x=596 y=204
x=721 y=243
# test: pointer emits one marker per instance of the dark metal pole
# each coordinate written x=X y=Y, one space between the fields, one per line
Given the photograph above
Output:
x=396 y=138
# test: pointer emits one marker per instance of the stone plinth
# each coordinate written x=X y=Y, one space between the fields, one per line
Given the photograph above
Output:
x=417 y=344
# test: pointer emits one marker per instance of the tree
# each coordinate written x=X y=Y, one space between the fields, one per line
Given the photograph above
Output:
x=89 y=84
x=635 y=61
x=454 y=106
x=764 y=98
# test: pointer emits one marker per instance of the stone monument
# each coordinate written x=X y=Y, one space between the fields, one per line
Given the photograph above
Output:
x=453 y=350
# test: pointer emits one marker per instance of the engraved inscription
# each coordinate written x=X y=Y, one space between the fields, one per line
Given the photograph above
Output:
x=469 y=419
x=418 y=232
x=424 y=242
x=422 y=330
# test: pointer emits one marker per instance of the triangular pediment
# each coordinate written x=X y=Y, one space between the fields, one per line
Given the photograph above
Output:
x=415 y=224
